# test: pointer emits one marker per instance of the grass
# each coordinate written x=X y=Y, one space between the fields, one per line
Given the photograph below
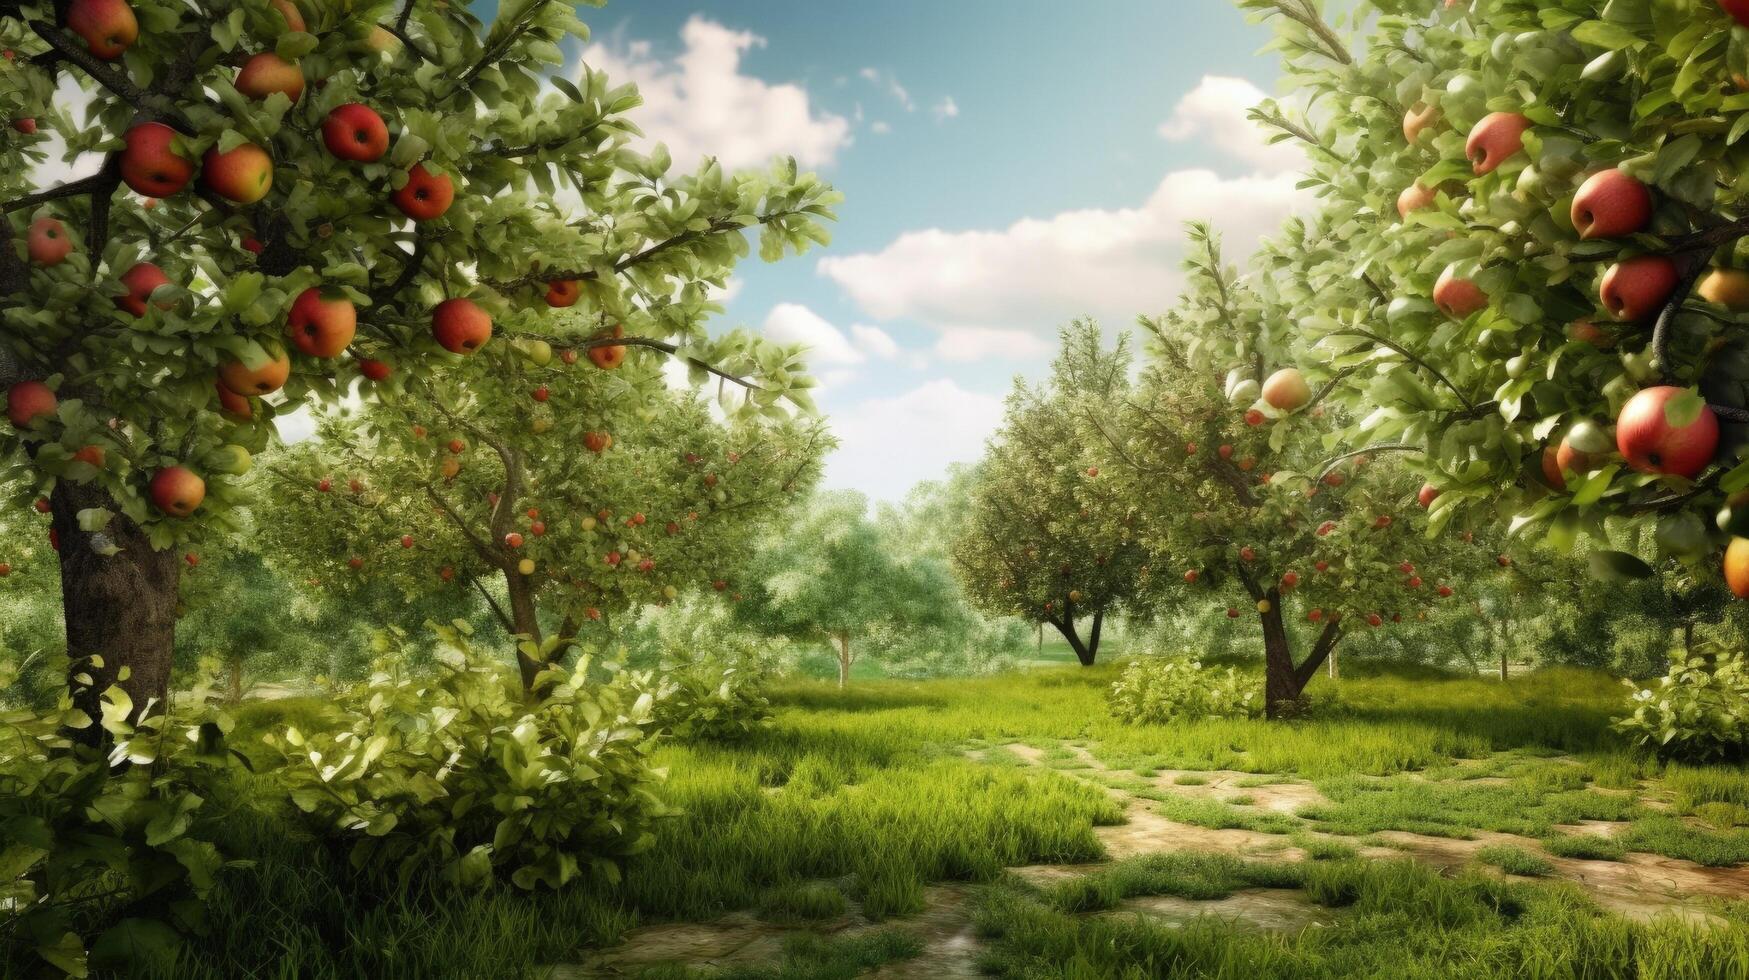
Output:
x=1515 y=861
x=866 y=796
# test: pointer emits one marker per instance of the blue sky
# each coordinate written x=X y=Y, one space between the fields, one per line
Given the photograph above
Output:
x=1006 y=166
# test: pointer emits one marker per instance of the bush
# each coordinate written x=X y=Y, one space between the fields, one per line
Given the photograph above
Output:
x=1179 y=688
x=1696 y=713
x=706 y=700
x=461 y=776
x=105 y=864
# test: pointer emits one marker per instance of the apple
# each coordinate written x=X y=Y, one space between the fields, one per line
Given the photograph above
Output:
x=1587 y=332
x=233 y=404
x=252 y=245
x=5 y=569
x=1414 y=582
x=1444 y=592
x=1232 y=613
x=525 y=566
x=1382 y=521
x=406 y=540
x=264 y=379
x=28 y=401
x=1634 y=290
x=1407 y=568
x=48 y=242
x=325 y=484
x=1570 y=459
x=450 y=468
x=1374 y=620
x=322 y=322
x=375 y=370
x=562 y=293
x=1650 y=444
x=1334 y=479
x=1191 y=576
x=597 y=442
x=355 y=132
x=612 y=356
x=1415 y=198
x=108 y=26
x=294 y=21
x=42 y=505
x=1290 y=579
x=1418 y=119
x=243 y=175
x=1247 y=553
x=355 y=563
x=1552 y=469
x=537 y=528
x=192 y=559
x=1429 y=493
x=149 y=163
x=1286 y=390
x=25 y=125
x=381 y=40
x=1321 y=565
x=141 y=281
x=1224 y=451
x=460 y=326
x=425 y=196
x=267 y=73
x=1727 y=287
x=1325 y=528
x=513 y=540
x=1499 y=136
x=1737 y=567
x=568 y=356
x=542 y=393
x=613 y=558
x=1190 y=449
x=1611 y=204
x=91 y=456
x=1457 y=297
x=177 y=491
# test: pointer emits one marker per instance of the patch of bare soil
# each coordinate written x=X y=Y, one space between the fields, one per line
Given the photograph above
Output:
x=1286 y=796
x=1270 y=909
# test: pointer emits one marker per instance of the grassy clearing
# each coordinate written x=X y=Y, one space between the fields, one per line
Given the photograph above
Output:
x=1398 y=920
x=1515 y=861
x=867 y=796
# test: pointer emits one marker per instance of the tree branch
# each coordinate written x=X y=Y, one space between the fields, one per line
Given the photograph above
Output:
x=85 y=185
x=1386 y=447
x=1469 y=406
x=110 y=77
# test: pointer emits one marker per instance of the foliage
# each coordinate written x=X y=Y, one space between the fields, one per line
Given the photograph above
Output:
x=708 y=699
x=458 y=775
x=1698 y=712
x=102 y=863
x=1163 y=689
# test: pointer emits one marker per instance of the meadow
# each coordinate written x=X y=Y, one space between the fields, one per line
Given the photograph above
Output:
x=1007 y=824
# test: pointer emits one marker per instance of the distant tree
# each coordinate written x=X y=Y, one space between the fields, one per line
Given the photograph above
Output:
x=1045 y=539
x=829 y=576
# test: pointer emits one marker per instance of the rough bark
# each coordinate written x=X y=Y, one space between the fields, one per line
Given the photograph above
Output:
x=234 y=689
x=1284 y=682
x=1066 y=626
x=525 y=621
x=845 y=658
x=120 y=608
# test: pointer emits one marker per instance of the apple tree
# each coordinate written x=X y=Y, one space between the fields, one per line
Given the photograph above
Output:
x=1046 y=538
x=280 y=196
x=541 y=484
x=1527 y=259
x=1217 y=450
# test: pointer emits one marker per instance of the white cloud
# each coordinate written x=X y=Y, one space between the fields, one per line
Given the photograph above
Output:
x=792 y=323
x=946 y=109
x=1214 y=112
x=891 y=84
x=963 y=344
x=875 y=341
x=880 y=128
x=880 y=449
x=700 y=104
x=1039 y=272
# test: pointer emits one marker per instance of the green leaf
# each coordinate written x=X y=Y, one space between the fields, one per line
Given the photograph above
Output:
x=1618 y=566
x=134 y=946
x=1603 y=34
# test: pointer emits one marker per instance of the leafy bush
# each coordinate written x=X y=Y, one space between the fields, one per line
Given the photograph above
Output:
x=707 y=700
x=1173 y=688
x=458 y=774
x=1697 y=712
x=102 y=863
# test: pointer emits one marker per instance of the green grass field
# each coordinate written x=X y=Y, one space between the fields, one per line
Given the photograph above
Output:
x=860 y=800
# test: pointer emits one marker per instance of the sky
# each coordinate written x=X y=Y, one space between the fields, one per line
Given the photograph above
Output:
x=1006 y=167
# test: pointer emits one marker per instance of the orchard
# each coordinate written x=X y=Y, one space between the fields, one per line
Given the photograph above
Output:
x=428 y=550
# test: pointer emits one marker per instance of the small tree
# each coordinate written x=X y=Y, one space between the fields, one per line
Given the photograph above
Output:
x=1045 y=538
x=828 y=576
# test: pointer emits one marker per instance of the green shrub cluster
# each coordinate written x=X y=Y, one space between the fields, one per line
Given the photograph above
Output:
x=1698 y=712
x=1178 y=688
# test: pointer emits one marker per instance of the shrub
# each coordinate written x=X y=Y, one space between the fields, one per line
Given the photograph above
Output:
x=1167 y=689
x=706 y=700
x=459 y=775
x=104 y=863
x=1697 y=712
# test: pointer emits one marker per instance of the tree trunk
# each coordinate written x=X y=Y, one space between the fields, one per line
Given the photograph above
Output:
x=1335 y=670
x=120 y=609
x=1066 y=627
x=1041 y=641
x=234 y=689
x=844 y=660
x=526 y=623
x=1284 y=682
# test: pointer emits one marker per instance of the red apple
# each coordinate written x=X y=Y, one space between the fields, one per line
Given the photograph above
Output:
x=1611 y=204
x=141 y=281
x=355 y=132
x=425 y=196
x=1587 y=332
x=321 y=323
x=42 y=505
x=252 y=245
x=1457 y=297
x=612 y=356
x=1325 y=528
x=91 y=456
x=1286 y=390
x=1255 y=417
x=1445 y=592
x=264 y=379
x=1290 y=579
x=456 y=446
x=513 y=540
x=1232 y=613
x=233 y=404
x=374 y=370
x=25 y=125
x=177 y=491
x=1225 y=451
x=1738 y=9
x=1247 y=553
x=406 y=540
x=1428 y=494
x=294 y=21
x=267 y=73
x=460 y=326
x=1634 y=290
x=1374 y=620
x=107 y=26
x=325 y=484
x=562 y=293
x=1191 y=576
x=1382 y=521
x=48 y=242
x=1497 y=137
x=1651 y=445
x=597 y=442
x=28 y=401
x=243 y=175
x=149 y=163
x=542 y=393
x=1414 y=198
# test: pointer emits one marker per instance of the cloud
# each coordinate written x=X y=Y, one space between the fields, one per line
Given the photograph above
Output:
x=946 y=109
x=875 y=341
x=880 y=128
x=792 y=323
x=888 y=444
x=700 y=104
x=891 y=84
x=963 y=344
x=1215 y=112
